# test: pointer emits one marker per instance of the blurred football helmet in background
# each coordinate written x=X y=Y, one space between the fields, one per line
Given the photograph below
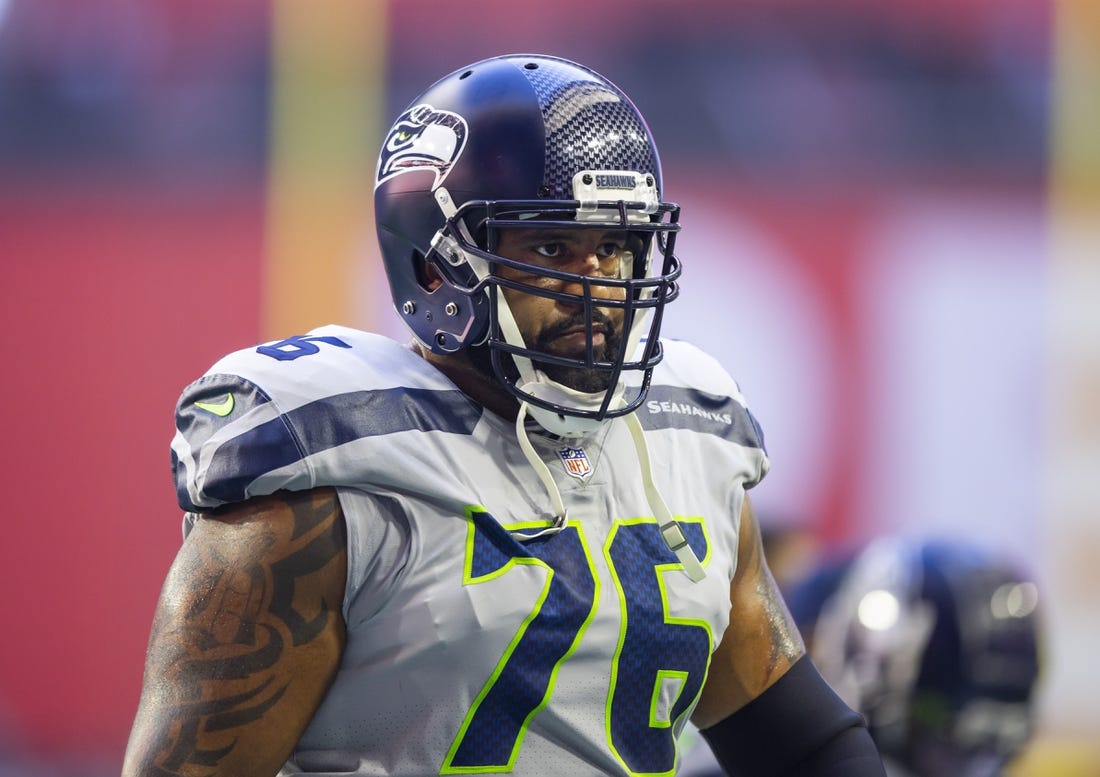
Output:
x=502 y=144
x=937 y=643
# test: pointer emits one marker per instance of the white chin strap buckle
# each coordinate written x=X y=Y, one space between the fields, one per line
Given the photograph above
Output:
x=674 y=538
x=671 y=532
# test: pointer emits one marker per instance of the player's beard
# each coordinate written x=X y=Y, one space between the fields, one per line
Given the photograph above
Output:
x=589 y=381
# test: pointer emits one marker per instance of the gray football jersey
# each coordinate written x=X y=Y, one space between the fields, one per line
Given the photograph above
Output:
x=470 y=649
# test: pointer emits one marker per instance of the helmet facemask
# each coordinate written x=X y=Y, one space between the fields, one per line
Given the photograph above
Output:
x=572 y=394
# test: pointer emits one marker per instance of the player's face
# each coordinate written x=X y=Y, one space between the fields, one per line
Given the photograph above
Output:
x=558 y=327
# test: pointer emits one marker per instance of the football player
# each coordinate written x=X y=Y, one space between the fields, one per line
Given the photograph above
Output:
x=518 y=544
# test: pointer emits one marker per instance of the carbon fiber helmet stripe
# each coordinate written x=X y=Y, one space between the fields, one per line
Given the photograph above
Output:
x=589 y=126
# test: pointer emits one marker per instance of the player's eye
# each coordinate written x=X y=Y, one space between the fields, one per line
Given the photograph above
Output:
x=551 y=250
x=608 y=250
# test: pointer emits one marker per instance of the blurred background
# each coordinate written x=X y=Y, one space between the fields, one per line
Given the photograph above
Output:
x=891 y=238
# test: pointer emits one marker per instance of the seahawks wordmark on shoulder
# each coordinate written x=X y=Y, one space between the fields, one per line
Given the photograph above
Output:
x=686 y=408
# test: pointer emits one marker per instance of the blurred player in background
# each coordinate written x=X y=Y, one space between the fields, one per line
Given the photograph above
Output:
x=937 y=643
x=519 y=544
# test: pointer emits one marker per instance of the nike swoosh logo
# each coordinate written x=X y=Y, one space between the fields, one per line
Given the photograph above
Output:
x=221 y=409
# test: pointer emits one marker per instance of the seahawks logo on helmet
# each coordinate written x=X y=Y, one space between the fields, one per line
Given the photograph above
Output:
x=422 y=138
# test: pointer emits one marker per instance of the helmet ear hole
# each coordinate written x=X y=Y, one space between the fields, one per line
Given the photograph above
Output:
x=427 y=274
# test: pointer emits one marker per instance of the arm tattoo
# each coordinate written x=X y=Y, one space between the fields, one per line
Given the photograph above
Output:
x=250 y=597
x=785 y=642
x=311 y=558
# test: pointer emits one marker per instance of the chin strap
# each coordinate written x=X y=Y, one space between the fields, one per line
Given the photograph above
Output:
x=671 y=532
x=547 y=479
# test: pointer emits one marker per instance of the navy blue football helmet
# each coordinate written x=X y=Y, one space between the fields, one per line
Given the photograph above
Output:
x=936 y=643
x=494 y=146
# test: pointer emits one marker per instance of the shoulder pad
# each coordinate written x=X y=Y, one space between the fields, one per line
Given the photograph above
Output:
x=691 y=390
x=269 y=417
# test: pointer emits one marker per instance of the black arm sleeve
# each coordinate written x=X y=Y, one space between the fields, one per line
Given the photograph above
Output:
x=798 y=727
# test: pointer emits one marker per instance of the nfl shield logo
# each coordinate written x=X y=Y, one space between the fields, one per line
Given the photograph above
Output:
x=576 y=462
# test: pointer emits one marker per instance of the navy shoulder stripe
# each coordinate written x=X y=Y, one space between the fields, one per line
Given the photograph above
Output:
x=327 y=423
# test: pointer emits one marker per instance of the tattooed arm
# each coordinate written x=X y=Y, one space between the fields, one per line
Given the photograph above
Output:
x=246 y=639
x=761 y=642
